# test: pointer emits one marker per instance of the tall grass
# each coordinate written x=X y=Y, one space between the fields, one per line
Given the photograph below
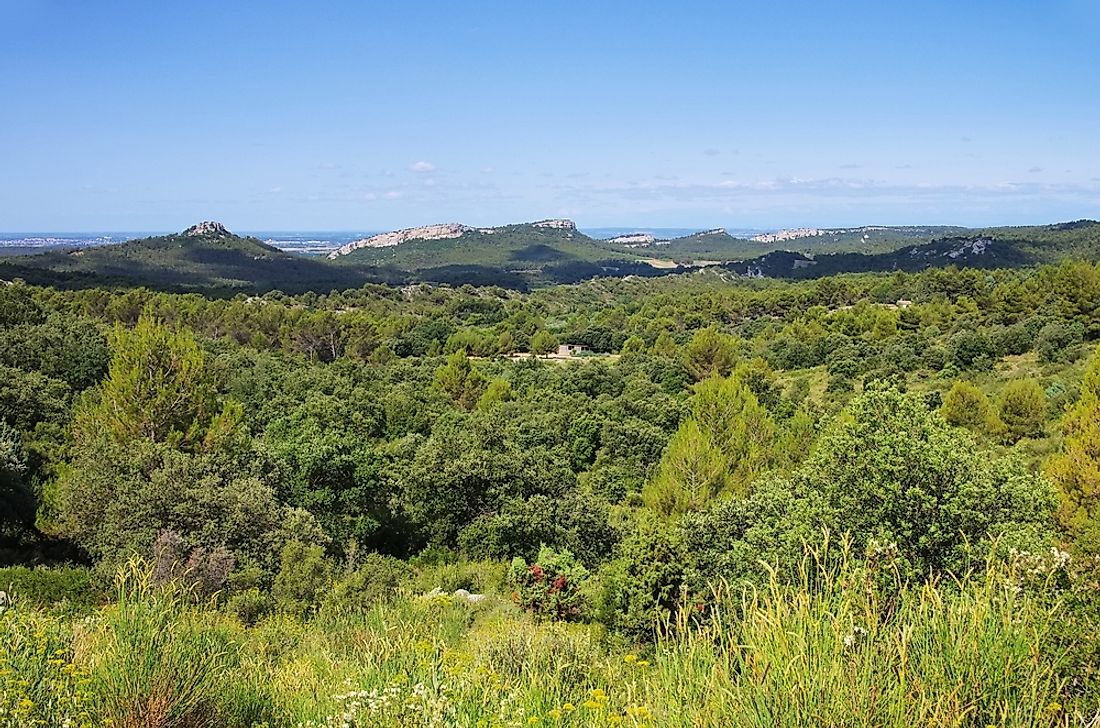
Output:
x=845 y=647
x=154 y=661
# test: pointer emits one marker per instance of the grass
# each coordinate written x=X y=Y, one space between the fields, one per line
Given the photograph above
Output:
x=844 y=647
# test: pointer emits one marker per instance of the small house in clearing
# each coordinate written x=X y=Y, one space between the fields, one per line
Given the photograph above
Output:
x=571 y=349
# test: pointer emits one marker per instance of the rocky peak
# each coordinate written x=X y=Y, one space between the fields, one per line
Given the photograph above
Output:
x=559 y=224
x=207 y=229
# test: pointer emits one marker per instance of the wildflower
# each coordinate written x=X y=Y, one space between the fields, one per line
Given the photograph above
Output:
x=591 y=704
x=533 y=720
x=630 y=658
x=643 y=663
x=555 y=713
x=568 y=707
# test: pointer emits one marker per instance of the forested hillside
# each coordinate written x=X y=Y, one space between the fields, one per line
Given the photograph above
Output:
x=272 y=510
x=525 y=257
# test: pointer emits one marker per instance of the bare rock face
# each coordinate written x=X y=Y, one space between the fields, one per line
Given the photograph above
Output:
x=633 y=240
x=560 y=224
x=385 y=240
x=436 y=232
x=207 y=229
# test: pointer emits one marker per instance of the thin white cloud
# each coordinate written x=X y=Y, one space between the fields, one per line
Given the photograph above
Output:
x=421 y=167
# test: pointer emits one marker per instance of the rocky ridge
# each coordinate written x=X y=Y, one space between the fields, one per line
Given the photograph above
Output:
x=633 y=240
x=442 y=231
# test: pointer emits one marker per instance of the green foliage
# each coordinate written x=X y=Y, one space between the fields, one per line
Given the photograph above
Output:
x=64 y=587
x=892 y=472
x=727 y=440
x=576 y=522
x=543 y=343
x=61 y=347
x=27 y=398
x=1076 y=468
x=375 y=579
x=965 y=405
x=498 y=391
x=114 y=500
x=551 y=587
x=709 y=353
x=157 y=388
x=642 y=589
x=754 y=539
x=1022 y=409
x=460 y=381
x=303 y=576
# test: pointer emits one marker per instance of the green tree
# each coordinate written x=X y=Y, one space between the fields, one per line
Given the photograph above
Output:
x=1076 y=468
x=721 y=447
x=543 y=342
x=693 y=471
x=665 y=346
x=303 y=577
x=498 y=392
x=1022 y=409
x=460 y=381
x=159 y=388
x=708 y=353
x=892 y=472
x=633 y=347
x=965 y=405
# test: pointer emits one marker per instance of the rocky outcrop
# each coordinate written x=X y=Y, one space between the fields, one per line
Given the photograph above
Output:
x=385 y=240
x=207 y=229
x=436 y=232
x=560 y=224
x=634 y=240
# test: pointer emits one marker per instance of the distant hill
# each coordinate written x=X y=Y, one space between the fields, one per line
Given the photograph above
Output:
x=548 y=251
x=209 y=258
x=203 y=257
x=1007 y=247
x=719 y=246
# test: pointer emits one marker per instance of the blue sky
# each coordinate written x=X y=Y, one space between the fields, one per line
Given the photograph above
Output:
x=372 y=115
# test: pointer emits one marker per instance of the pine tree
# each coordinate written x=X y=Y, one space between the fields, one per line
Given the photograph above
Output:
x=1076 y=469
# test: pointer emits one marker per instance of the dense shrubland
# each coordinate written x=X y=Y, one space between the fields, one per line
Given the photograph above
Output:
x=754 y=503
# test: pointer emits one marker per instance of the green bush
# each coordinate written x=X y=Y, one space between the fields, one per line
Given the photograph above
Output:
x=642 y=589
x=303 y=575
x=376 y=579
x=552 y=586
x=65 y=586
x=1022 y=409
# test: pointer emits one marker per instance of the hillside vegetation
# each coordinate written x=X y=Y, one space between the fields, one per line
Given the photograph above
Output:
x=528 y=256
x=864 y=499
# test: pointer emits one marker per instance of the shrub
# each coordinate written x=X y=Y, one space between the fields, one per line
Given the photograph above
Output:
x=250 y=605
x=965 y=405
x=376 y=579
x=303 y=575
x=896 y=473
x=550 y=587
x=642 y=589
x=64 y=586
x=1056 y=342
x=1022 y=409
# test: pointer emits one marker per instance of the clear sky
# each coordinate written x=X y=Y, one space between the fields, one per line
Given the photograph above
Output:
x=126 y=115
